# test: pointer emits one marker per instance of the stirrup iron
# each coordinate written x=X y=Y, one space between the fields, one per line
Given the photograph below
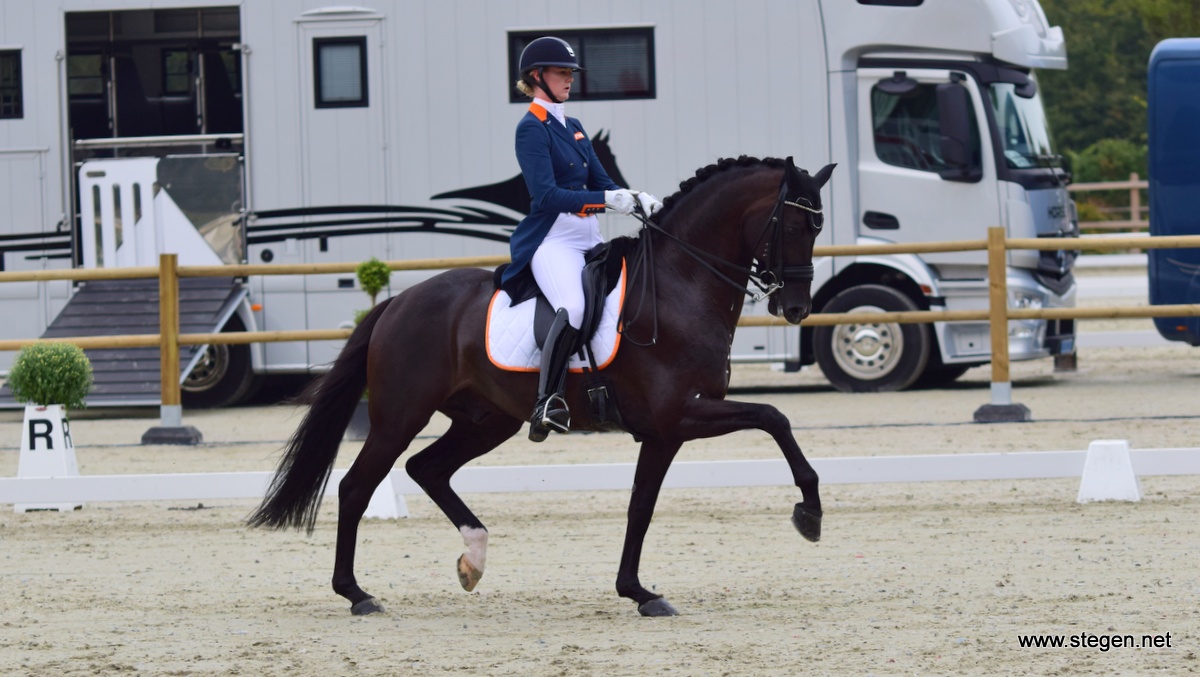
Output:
x=555 y=404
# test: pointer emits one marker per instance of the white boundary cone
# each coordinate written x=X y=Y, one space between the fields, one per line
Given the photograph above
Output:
x=387 y=502
x=1108 y=473
x=47 y=451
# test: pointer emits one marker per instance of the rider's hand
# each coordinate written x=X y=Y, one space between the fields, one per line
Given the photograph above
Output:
x=620 y=201
x=650 y=204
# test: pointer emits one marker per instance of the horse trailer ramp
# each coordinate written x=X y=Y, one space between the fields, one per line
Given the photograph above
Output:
x=126 y=377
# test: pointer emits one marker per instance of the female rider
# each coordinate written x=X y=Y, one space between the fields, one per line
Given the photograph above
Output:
x=567 y=187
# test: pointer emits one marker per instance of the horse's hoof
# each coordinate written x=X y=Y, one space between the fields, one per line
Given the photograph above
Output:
x=808 y=522
x=657 y=607
x=368 y=606
x=468 y=575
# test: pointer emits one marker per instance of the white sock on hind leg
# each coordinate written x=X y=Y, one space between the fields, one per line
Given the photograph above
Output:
x=476 y=542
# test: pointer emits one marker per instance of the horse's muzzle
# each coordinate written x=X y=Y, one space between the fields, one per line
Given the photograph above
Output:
x=793 y=312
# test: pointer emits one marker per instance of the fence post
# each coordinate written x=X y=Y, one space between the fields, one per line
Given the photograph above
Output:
x=170 y=429
x=1135 y=201
x=1001 y=408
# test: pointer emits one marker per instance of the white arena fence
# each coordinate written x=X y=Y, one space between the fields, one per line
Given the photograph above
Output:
x=1108 y=470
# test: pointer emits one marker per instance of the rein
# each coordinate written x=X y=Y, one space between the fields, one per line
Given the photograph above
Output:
x=767 y=278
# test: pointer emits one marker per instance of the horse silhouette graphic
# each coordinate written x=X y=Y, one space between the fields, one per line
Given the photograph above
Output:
x=513 y=193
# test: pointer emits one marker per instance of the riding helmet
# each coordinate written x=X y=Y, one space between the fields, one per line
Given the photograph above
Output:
x=548 y=51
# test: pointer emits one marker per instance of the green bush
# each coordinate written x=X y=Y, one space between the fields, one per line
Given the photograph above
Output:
x=51 y=373
x=373 y=276
x=1109 y=160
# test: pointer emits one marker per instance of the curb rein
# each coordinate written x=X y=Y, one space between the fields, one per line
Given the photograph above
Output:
x=764 y=276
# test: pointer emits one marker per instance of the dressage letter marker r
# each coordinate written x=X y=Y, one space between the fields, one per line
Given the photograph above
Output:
x=48 y=427
x=46 y=452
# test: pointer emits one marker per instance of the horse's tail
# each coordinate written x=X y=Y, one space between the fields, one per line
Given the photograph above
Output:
x=294 y=496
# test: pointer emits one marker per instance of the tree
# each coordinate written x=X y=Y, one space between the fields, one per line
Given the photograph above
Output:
x=1170 y=18
x=1102 y=95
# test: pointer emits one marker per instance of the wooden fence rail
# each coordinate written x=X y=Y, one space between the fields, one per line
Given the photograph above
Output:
x=1135 y=185
x=997 y=314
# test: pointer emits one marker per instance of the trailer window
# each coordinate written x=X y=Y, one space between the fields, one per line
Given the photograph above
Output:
x=177 y=71
x=340 y=68
x=619 y=62
x=85 y=75
x=11 y=104
x=908 y=130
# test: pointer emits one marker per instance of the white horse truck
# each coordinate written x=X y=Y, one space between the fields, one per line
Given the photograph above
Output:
x=291 y=131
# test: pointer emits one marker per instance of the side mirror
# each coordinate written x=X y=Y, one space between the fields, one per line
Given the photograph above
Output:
x=955 y=119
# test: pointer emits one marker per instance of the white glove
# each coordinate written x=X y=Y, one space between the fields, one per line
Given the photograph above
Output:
x=620 y=201
x=650 y=204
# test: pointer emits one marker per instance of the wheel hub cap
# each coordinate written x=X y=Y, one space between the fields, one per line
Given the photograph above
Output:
x=868 y=351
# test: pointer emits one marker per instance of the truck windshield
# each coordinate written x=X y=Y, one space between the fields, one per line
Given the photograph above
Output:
x=1024 y=131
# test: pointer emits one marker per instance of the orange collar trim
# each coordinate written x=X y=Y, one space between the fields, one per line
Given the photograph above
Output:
x=538 y=112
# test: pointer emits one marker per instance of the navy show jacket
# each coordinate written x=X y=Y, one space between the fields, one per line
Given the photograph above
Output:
x=563 y=175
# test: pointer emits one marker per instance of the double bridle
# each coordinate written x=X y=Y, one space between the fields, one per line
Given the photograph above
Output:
x=771 y=276
x=766 y=275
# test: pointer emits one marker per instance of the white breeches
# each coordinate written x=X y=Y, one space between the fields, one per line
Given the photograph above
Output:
x=558 y=262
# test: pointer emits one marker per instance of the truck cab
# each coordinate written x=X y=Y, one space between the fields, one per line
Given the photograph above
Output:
x=936 y=105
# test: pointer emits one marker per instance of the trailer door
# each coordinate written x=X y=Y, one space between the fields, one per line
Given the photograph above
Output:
x=344 y=169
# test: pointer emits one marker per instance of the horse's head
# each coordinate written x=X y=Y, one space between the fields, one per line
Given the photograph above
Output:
x=787 y=253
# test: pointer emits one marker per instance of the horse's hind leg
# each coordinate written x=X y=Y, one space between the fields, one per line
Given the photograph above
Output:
x=379 y=453
x=433 y=467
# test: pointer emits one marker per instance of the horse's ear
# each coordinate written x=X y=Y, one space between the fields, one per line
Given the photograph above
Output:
x=791 y=164
x=822 y=176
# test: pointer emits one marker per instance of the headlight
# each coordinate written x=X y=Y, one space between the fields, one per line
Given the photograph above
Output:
x=1025 y=331
x=1023 y=300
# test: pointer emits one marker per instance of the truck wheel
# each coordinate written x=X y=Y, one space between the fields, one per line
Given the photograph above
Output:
x=223 y=376
x=876 y=357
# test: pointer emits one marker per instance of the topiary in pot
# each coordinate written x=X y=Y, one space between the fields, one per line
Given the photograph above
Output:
x=51 y=373
x=373 y=276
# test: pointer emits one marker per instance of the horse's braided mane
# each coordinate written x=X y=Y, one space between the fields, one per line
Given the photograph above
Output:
x=705 y=173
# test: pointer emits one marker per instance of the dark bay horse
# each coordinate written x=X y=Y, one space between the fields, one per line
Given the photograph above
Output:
x=423 y=351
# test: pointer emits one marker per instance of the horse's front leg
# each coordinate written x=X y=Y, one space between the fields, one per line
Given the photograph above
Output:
x=653 y=460
x=712 y=418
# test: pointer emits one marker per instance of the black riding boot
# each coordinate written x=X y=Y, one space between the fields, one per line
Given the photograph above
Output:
x=550 y=412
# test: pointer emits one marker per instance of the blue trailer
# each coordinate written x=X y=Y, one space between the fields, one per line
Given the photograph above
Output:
x=1174 y=126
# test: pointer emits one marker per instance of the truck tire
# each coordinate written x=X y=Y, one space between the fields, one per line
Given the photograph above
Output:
x=862 y=358
x=223 y=377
